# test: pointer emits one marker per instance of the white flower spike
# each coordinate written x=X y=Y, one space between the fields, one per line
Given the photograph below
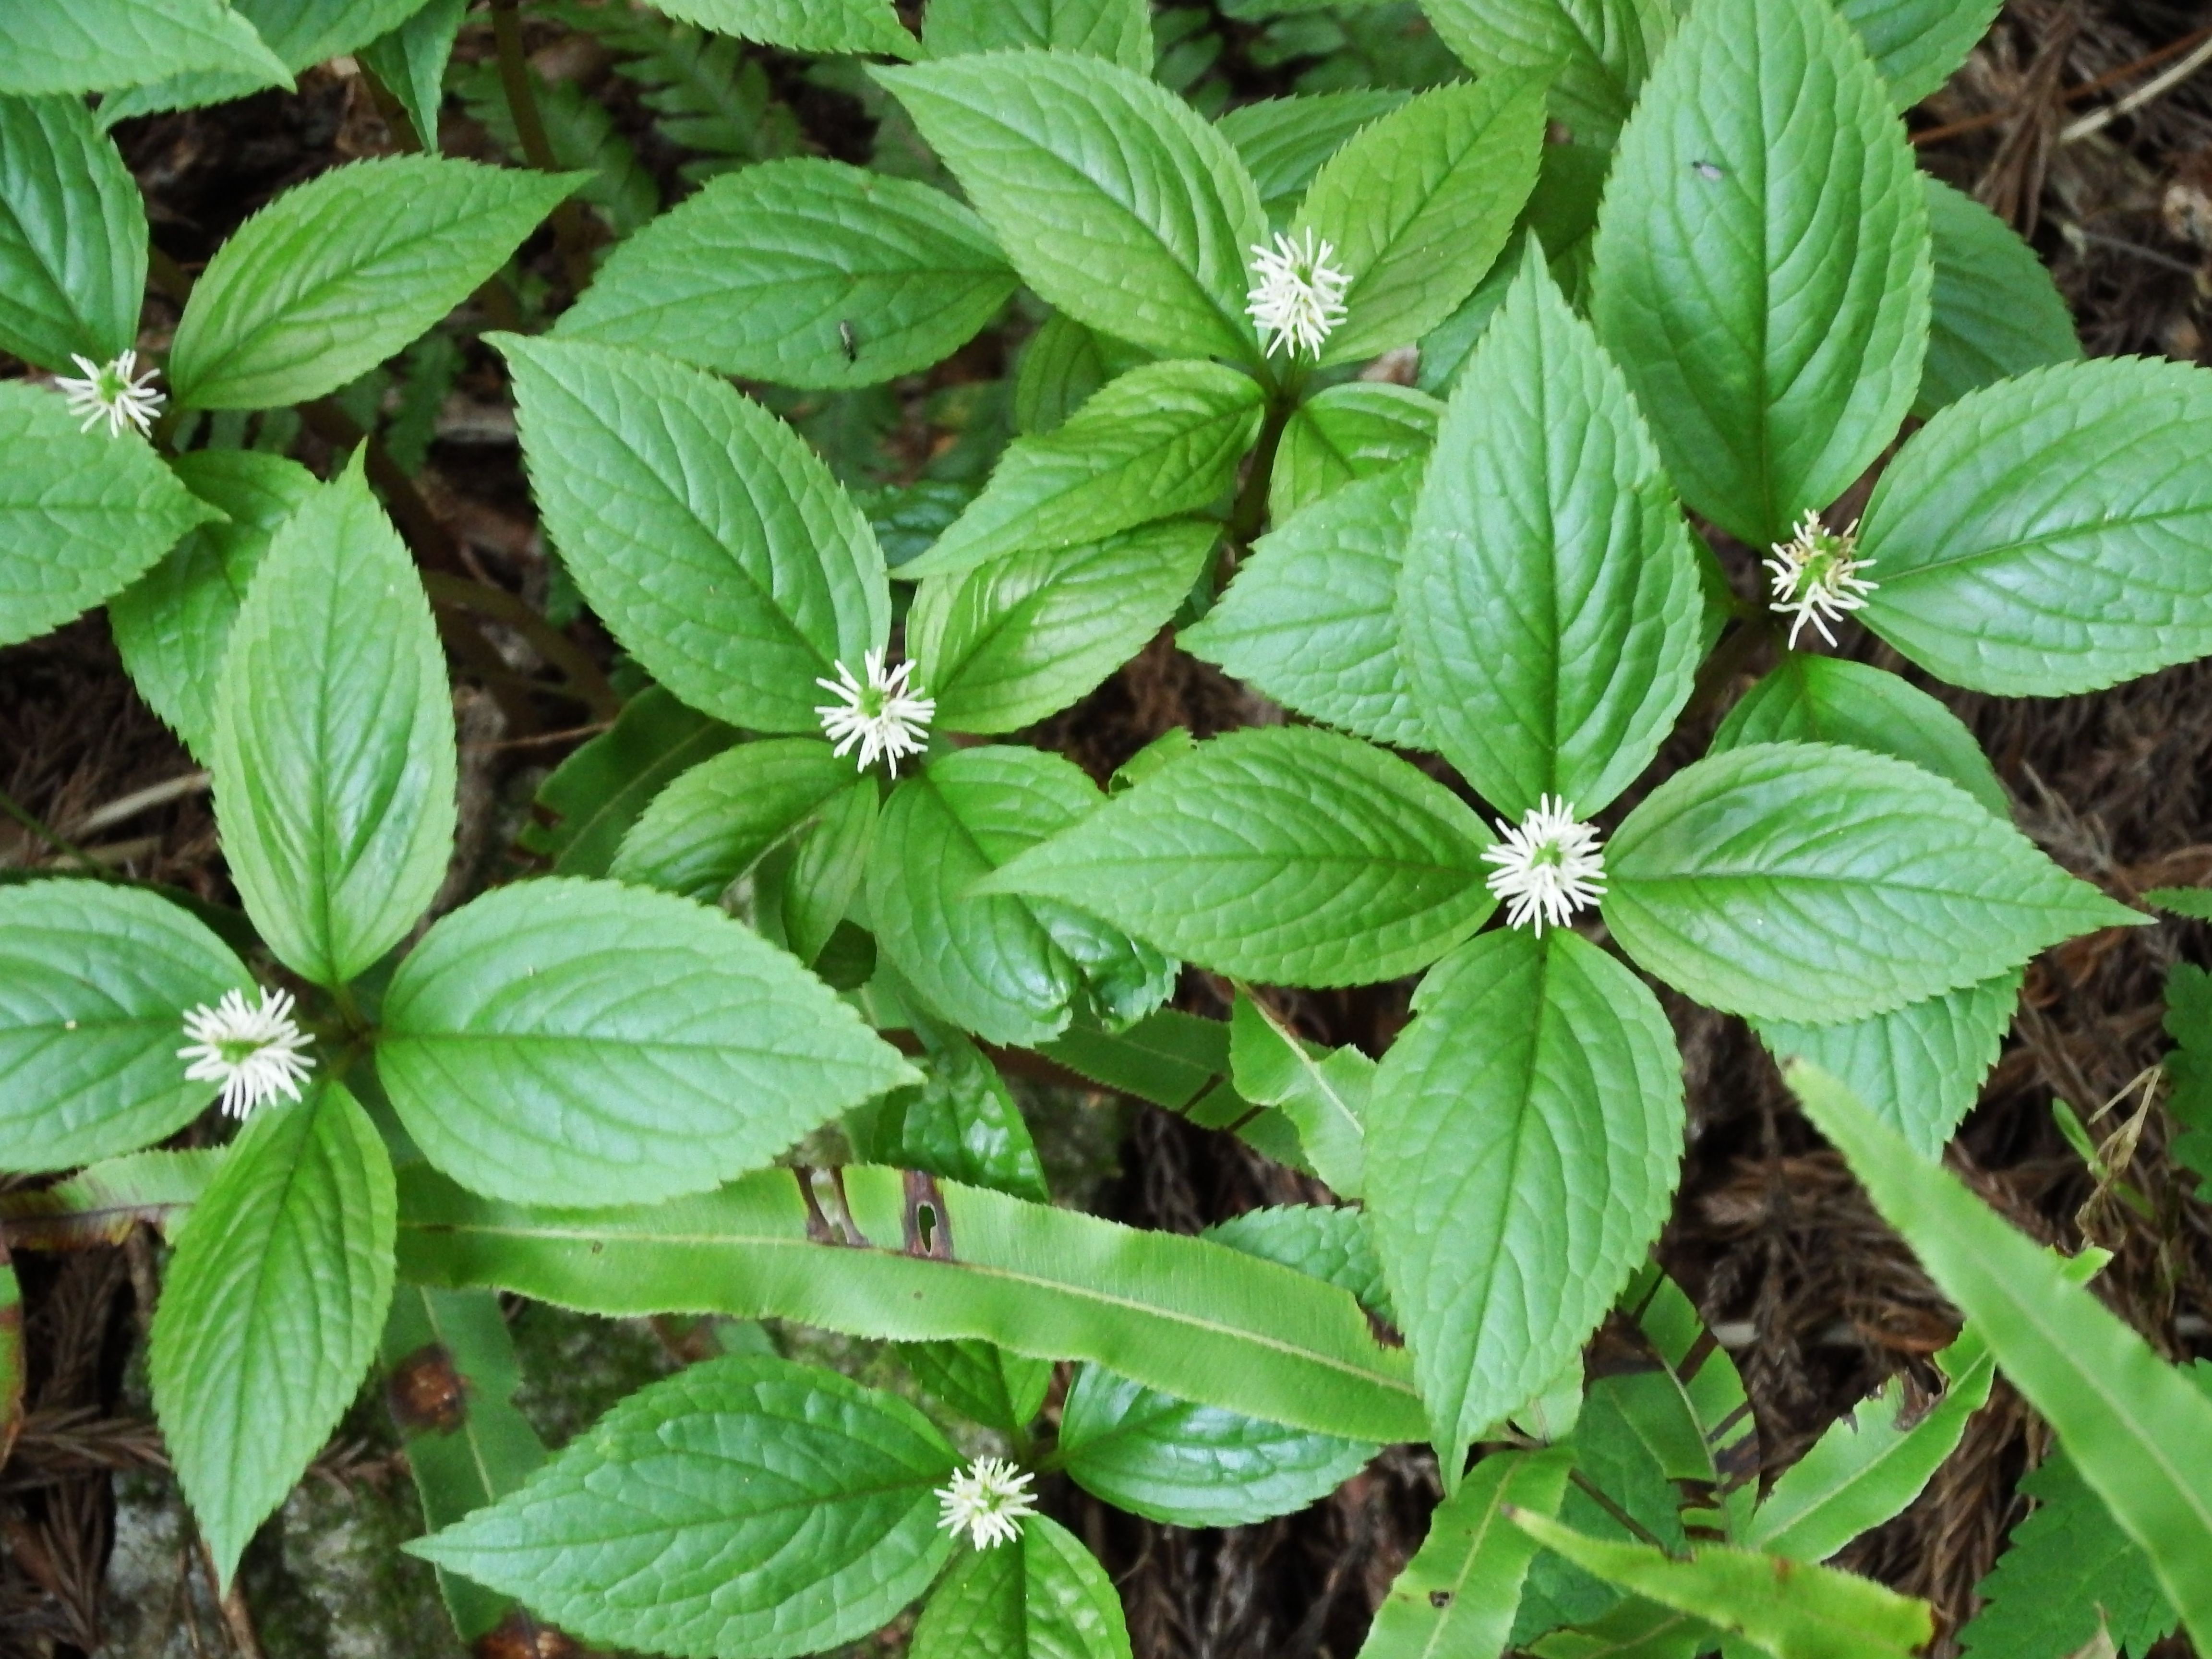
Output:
x=117 y=392
x=986 y=1500
x=1296 y=294
x=1548 y=867
x=1816 y=576
x=256 y=1053
x=883 y=716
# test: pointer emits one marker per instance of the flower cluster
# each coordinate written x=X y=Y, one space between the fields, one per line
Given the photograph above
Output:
x=986 y=1500
x=883 y=716
x=117 y=392
x=255 y=1054
x=1816 y=576
x=1296 y=294
x=1548 y=866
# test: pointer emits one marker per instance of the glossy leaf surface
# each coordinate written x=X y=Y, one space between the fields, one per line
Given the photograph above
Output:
x=1522 y=1140
x=593 y=1043
x=1285 y=854
x=333 y=750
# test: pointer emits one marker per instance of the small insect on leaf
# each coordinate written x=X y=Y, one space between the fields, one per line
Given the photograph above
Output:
x=426 y=1392
x=1708 y=170
x=846 y=338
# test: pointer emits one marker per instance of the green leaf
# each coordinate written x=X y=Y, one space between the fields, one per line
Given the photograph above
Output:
x=1873 y=1462
x=1119 y=31
x=1311 y=617
x=1193 y=1466
x=805 y=272
x=982 y=1381
x=2068 y=1572
x=717 y=820
x=411 y=61
x=744 y=1506
x=1169 y=1058
x=862 y=26
x=829 y=862
x=585 y=1042
x=2138 y=1430
x=1549 y=601
x=1522 y=1142
x=714 y=543
x=960 y=1123
x=1001 y=966
x=1282 y=854
x=1916 y=44
x=1043 y=1597
x=1807 y=882
x=82 y=514
x=1994 y=311
x=453 y=1375
x=1920 y=1066
x=306 y=32
x=1599 y=52
x=1324 y=1091
x=1809 y=698
x=173 y=624
x=100 y=45
x=1615 y=1459
x=599 y=794
x=1678 y=1392
x=844 y=1251
x=706 y=93
x=1417 y=205
x=338 y=274
x=95 y=980
x=1630 y=1628
x=1561 y=218
x=333 y=748
x=1165 y=438
x=1460 y=1592
x=1346 y=432
x=2189 y=1066
x=301 y=33
x=1789 y=1609
x=1114 y=201
x=101 y=1204
x=271 y=1308
x=1025 y=635
x=72 y=236
x=1330 y=1243
x=1762 y=262
x=2194 y=902
x=1284 y=141
x=1063 y=363
x=580 y=135
x=2044 y=535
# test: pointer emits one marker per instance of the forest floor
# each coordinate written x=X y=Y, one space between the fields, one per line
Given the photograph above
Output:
x=1816 y=1301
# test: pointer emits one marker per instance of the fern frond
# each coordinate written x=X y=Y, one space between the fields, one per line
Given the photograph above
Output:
x=706 y=94
x=2063 y=1567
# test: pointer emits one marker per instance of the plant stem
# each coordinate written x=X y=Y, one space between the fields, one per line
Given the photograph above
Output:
x=1615 y=1510
x=37 y=826
x=585 y=683
x=1249 y=511
x=537 y=146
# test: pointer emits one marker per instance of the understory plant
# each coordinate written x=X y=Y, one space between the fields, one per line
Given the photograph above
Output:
x=1704 y=374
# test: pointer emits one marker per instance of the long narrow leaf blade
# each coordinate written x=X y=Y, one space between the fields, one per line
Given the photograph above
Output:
x=886 y=1254
x=2140 y=1431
